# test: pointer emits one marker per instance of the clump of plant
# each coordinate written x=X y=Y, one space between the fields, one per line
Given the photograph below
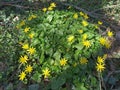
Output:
x=8 y=48
x=56 y=47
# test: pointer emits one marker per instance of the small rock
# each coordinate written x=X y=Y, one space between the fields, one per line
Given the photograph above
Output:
x=34 y=87
x=2 y=66
x=1 y=88
x=117 y=36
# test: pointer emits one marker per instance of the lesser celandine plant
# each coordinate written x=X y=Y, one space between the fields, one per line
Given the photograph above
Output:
x=58 y=45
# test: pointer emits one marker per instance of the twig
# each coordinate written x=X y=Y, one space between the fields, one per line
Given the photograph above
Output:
x=81 y=9
x=112 y=6
x=94 y=15
x=91 y=14
x=19 y=6
x=3 y=3
x=11 y=2
x=80 y=2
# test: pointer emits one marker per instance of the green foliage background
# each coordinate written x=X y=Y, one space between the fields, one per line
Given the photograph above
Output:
x=52 y=30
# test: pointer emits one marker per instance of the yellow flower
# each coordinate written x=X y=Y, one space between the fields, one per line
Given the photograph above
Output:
x=80 y=31
x=23 y=59
x=86 y=43
x=63 y=62
x=70 y=38
x=75 y=64
x=100 y=67
x=31 y=50
x=32 y=17
x=75 y=16
x=22 y=23
x=102 y=40
x=96 y=26
x=85 y=16
x=46 y=73
x=100 y=23
x=44 y=9
x=29 y=69
x=29 y=18
x=53 y=4
x=83 y=60
x=18 y=26
x=100 y=60
x=84 y=23
x=81 y=13
x=110 y=34
x=22 y=76
x=50 y=8
x=31 y=35
x=20 y=43
x=107 y=44
x=84 y=36
x=25 y=46
x=26 y=29
x=104 y=56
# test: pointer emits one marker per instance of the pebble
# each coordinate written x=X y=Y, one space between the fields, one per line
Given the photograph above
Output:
x=117 y=36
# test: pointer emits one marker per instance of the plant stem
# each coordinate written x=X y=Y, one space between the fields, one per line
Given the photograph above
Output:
x=103 y=82
x=99 y=76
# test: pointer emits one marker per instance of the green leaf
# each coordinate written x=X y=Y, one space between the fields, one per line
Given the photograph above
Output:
x=57 y=55
x=87 y=54
x=54 y=85
x=42 y=57
x=81 y=87
x=49 y=18
x=57 y=83
x=77 y=54
x=93 y=81
x=61 y=81
x=35 y=42
x=37 y=76
x=78 y=46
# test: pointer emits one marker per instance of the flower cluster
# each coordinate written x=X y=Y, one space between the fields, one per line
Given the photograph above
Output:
x=83 y=60
x=22 y=23
x=28 y=50
x=85 y=16
x=51 y=7
x=104 y=41
x=32 y=17
x=55 y=41
x=84 y=23
x=100 y=65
